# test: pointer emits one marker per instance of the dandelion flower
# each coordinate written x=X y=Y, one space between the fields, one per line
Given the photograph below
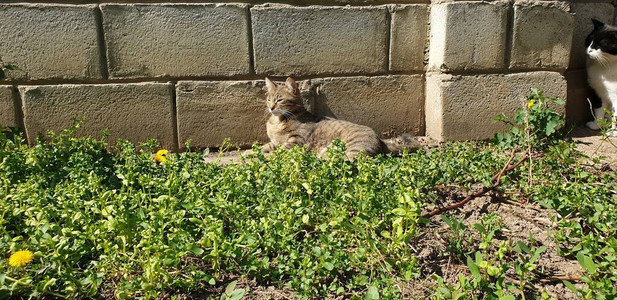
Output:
x=21 y=258
x=530 y=103
x=160 y=155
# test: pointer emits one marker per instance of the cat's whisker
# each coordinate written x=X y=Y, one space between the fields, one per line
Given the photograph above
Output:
x=602 y=60
x=289 y=115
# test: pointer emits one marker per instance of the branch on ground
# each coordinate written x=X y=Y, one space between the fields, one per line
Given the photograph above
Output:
x=495 y=180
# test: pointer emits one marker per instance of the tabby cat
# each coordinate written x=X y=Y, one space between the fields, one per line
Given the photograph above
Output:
x=291 y=124
x=602 y=72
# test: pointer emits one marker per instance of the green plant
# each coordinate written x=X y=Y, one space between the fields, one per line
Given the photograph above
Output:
x=458 y=239
x=488 y=274
x=110 y=221
x=489 y=225
x=6 y=67
x=606 y=128
x=526 y=263
x=536 y=125
x=231 y=293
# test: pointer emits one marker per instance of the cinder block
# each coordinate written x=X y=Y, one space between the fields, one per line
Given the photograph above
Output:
x=135 y=112
x=408 y=39
x=352 y=2
x=210 y=111
x=578 y=109
x=584 y=12
x=50 y=41
x=8 y=115
x=319 y=40
x=464 y=107
x=178 y=40
x=391 y=105
x=468 y=36
x=542 y=36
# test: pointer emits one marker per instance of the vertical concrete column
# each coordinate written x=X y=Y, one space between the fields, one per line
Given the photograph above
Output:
x=8 y=111
x=468 y=36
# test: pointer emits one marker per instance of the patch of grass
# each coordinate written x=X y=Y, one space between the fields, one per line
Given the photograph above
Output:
x=114 y=222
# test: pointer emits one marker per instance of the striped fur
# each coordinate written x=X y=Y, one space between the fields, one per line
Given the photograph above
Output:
x=291 y=124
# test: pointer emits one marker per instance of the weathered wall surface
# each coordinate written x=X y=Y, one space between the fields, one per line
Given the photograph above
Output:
x=194 y=69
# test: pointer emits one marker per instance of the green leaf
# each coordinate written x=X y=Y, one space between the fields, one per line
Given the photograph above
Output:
x=329 y=266
x=237 y=294
x=475 y=271
x=399 y=211
x=11 y=67
x=523 y=247
x=558 y=101
x=230 y=287
x=571 y=287
x=493 y=271
x=587 y=263
x=479 y=228
x=196 y=250
x=372 y=293
x=537 y=254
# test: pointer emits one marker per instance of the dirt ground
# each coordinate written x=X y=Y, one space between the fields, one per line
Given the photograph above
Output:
x=593 y=144
x=520 y=220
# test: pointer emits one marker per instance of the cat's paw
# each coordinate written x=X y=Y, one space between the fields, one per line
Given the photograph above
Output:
x=592 y=125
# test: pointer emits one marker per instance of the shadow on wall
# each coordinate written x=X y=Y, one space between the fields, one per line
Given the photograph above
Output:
x=321 y=107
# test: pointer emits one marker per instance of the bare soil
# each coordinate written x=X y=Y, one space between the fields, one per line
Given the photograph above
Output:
x=594 y=145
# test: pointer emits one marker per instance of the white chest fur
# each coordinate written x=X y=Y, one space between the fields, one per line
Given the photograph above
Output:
x=603 y=79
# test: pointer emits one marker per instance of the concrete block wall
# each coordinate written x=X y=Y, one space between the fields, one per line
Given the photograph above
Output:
x=487 y=56
x=181 y=71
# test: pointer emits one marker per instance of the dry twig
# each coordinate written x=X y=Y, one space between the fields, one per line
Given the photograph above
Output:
x=561 y=278
x=495 y=180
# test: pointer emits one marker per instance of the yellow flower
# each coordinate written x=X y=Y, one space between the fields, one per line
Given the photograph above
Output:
x=530 y=103
x=160 y=155
x=21 y=258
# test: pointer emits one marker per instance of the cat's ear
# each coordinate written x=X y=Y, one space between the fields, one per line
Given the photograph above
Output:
x=597 y=24
x=270 y=85
x=292 y=86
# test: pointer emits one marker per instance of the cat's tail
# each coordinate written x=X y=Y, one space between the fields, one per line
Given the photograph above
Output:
x=399 y=144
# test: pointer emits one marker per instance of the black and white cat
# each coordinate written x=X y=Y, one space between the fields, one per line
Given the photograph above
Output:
x=602 y=72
